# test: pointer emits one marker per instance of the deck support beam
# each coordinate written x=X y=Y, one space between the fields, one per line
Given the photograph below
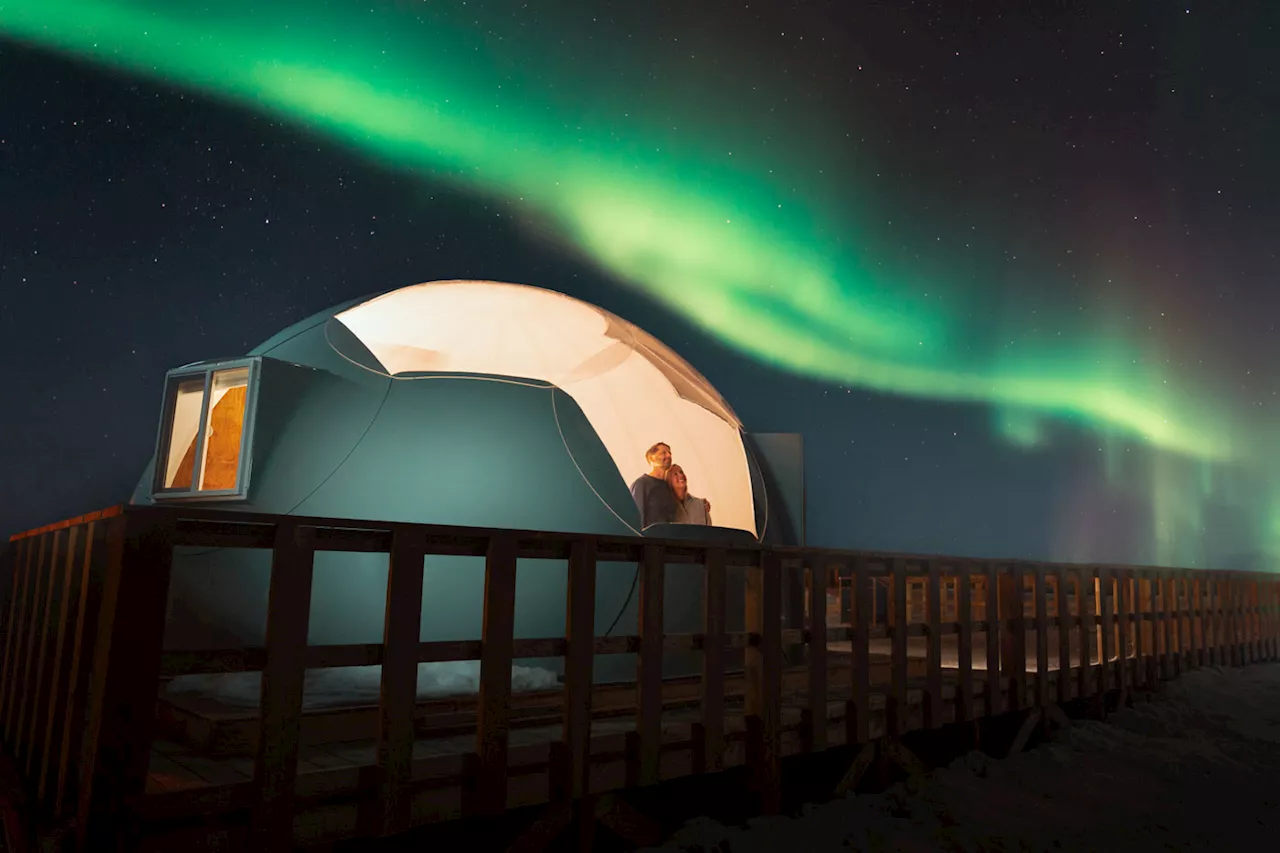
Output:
x=880 y=752
x=1034 y=718
x=895 y=752
x=857 y=769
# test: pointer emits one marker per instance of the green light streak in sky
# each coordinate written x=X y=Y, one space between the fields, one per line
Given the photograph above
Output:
x=713 y=243
x=720 y=239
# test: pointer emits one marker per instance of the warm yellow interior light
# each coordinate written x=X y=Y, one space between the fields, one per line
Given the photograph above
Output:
x=633 y=389
x=223 y=431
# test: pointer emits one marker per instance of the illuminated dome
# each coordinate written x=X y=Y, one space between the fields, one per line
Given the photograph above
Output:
x=633 y=389
x=466 y=403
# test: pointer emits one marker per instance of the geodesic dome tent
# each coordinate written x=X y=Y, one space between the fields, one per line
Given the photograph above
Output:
x=459 y=403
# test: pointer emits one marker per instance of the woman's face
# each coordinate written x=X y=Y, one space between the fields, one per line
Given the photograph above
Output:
x=679 y=483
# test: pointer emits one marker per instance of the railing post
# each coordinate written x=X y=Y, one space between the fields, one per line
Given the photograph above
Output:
x=793 y=603
x=1260 y=629
x=38 y=629
x=1178 y=593
x=1110 y=675
x=714 y=609
x=1066 y=625
x=1239 y=603
x=1221 y=620
x=1040 y=590
x=1274 y=597
x=816 y=723
x=1189 y=622
x=579 y=667
x=1243 y=604
x=1212 y=620
x=1149 y=604
x=1225 y=621
x=1128 y=636
x=858 y=711
x=126 y=670
x=846 y=600
x=1255 y=621
x=497 y=649
x=994 y=689
x=18 y=695
x=933 y=649
x=964 y=642
x=646 y=742
x=402 y=626
x=1141 y=641
x=1264 y=619
x=1271 y=648
x=1227 y=626
x=1233 y=621
x=283 y=682
x=1156 y=605
x=896 y=701
x=1174 y=584
x=764 y=678
x=1088 y=602
x=92 y=580
x=1196 y=626
x=54 y=708
x=1013 y=646
x=1240 y=630
x=55 y=589
x=1246 y=607
x=13 y=626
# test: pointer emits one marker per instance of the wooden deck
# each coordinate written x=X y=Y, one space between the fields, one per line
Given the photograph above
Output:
x=216 y=729
x=182 y=779
x=884 y=644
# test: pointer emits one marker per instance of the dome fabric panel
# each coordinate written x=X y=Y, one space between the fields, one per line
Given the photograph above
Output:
x=634 y=390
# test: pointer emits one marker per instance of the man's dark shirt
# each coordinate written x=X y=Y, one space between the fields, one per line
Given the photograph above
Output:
x=654 y=498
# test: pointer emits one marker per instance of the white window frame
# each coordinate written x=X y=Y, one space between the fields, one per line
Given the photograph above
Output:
x=244 y=467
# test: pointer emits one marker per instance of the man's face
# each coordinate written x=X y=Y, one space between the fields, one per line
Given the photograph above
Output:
x=661 y=457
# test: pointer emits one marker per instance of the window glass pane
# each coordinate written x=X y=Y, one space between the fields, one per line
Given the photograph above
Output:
x=181 y=454
x=224 y=429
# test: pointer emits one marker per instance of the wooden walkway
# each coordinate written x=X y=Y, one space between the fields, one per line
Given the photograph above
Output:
x=884 y=644
x=341 y=769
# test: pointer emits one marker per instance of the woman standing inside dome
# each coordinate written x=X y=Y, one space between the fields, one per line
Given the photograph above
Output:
x=689 y=509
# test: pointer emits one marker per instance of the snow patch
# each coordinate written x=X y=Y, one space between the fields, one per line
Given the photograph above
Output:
x=1198 y=768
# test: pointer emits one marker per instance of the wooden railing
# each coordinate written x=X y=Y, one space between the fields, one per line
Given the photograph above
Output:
x=49 y=648
x=83 y=652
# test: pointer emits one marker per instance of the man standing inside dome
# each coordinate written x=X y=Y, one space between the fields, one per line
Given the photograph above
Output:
x=651 y=493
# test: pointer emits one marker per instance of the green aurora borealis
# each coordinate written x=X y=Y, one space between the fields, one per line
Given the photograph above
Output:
x=719 y=239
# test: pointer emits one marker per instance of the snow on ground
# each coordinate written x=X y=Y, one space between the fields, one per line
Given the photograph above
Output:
x=355 y=685
x=1196 y=769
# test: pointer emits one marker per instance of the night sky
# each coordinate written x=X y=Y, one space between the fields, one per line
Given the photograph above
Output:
x=1014 y=275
